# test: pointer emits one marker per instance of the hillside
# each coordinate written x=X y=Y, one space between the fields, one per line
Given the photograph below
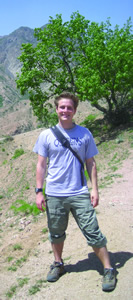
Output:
x=10 y=49
x=25 y=250
x=10 y=98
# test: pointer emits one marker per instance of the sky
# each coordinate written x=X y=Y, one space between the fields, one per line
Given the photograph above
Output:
x=36 y=13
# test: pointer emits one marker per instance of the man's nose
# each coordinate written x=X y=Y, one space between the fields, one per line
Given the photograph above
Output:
x=66 y=109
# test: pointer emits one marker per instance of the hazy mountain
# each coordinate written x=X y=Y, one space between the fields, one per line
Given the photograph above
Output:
x=15 y=116
x=9 y=64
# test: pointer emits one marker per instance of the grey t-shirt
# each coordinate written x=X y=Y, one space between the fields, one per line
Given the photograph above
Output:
x=64 y=178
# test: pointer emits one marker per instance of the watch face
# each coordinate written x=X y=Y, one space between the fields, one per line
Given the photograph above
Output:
x=37 y=190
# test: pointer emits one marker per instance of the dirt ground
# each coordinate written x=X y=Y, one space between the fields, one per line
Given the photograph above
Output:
x=82 y=280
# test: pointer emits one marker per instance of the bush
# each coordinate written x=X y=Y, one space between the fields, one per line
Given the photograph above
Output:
x=17 y=153
x=25 y=208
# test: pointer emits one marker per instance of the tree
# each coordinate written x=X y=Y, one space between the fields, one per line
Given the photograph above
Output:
x=94 y=61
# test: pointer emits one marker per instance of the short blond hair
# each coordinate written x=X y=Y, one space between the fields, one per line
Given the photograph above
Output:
x=67 y=95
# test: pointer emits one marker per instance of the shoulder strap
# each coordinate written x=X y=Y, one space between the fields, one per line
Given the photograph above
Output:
x=65 y=143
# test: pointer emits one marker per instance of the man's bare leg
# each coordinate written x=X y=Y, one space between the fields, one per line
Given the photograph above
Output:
x=57 y=269
x=103 y=255
x=109 y=277
x=57 y=250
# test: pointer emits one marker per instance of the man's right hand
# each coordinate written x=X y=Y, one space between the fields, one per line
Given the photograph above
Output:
x=40 y=201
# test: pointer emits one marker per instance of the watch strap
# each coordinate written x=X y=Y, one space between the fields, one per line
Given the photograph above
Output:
x=38 y=190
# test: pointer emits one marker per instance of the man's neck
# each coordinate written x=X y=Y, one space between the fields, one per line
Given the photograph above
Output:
x=66 y=125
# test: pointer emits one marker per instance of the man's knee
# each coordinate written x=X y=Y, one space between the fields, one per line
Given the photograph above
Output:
x=57 y=238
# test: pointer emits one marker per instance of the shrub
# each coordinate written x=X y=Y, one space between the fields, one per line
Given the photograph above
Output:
x=25 y=208
x=17 y=153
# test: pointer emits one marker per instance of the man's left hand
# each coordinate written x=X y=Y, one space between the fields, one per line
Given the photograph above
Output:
x=94 y=198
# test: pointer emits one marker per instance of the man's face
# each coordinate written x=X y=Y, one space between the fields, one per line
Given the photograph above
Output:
x=65 y=110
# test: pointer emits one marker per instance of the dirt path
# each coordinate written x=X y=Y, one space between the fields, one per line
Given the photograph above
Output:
x=84 y=272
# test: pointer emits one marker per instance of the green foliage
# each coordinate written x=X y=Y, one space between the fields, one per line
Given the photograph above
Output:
x=1 y=101
x=36 y=288
x=17 y=153
x=99 y=127
x=12 y=268
x=8 y=138
x=9 y=258
x=44 y=230
x=18 y=263
x=119 y=139
x=17 y=247
x=5 y=162
x=89 y=120
x=23 y=281
x=11 y=291
x=131 y=138
x=86 y=175
x=90 y=59
x=21 y=206
x=112 y=155
x=91 y=124
x=27 y=187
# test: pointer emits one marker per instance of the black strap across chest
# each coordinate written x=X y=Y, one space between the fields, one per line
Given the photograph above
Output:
x=65 y=143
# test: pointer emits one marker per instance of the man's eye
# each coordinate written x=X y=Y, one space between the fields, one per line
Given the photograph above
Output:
x=68 y=107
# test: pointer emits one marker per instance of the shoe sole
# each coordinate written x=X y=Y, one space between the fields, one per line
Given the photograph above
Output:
x=109 y=288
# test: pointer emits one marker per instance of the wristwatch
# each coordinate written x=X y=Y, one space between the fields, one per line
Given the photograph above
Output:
x=37 y=190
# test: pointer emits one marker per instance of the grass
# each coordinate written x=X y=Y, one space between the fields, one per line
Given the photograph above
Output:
x=108 y=180
x=21 y=206
x=5 y=162
x=10 y=258
x=1 y=101
x=27 y=186
x=12 y=291
x=17 y=153
x=119 y=139
x=12 y=268
x=18 y=263
x=17 y=247
x=22 y=281
x=44 y=230
x=114 y=147
x=112 y=154
x=36 y=288
x=67 y=258
x=8 y=138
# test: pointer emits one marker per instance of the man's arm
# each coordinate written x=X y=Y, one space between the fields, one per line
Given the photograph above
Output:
x=40 y=174
x=92 y=172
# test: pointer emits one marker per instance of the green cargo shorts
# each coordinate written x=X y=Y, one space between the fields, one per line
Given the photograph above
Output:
x=58 y=209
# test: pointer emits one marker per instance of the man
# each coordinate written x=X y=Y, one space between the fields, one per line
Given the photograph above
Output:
x=65 y=191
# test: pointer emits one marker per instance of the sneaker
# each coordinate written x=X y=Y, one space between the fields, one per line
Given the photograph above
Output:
x=56 y=270
x=109 y=280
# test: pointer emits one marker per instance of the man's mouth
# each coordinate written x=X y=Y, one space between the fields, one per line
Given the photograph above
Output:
x=66 y=116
